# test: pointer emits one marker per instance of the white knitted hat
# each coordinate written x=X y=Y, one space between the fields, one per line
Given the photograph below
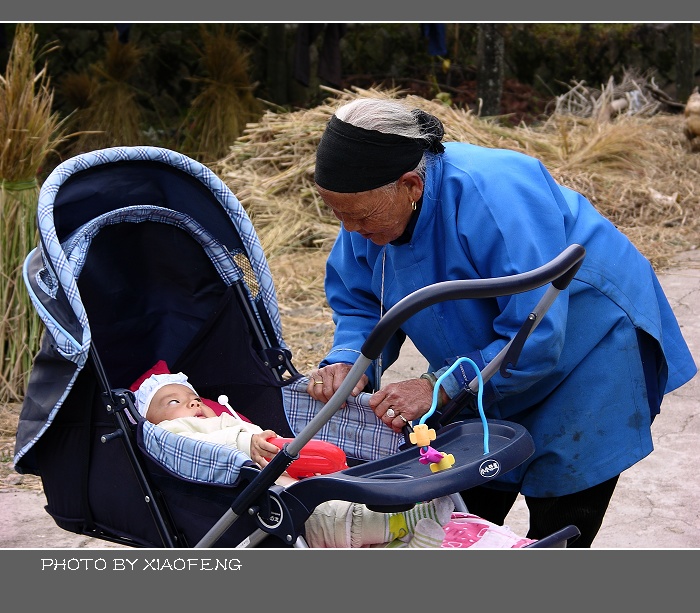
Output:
x=150 y=386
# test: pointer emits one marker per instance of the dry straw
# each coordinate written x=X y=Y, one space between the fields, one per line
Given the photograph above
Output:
x=29 y=131
x=633 y=167
x=107 y=113
x=226 y=102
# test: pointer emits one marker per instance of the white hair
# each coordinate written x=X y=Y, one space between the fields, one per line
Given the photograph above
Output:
x=384 y=115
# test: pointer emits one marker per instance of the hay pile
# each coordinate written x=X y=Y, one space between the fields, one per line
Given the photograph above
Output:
x=636 y=169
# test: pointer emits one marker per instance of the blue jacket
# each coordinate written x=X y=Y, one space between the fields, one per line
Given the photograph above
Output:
x=579 y=386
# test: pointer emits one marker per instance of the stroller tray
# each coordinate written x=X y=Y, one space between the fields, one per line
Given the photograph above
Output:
x=401 y=479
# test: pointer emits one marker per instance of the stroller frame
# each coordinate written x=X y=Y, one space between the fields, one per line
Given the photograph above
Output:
x=258 y=508
x=559 y=272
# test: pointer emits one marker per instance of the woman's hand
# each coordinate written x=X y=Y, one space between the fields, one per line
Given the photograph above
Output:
x=408 y=400
x=261 y=451
x=323 y=382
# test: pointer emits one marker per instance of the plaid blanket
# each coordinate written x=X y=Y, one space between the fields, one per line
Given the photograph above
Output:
x=354 y=428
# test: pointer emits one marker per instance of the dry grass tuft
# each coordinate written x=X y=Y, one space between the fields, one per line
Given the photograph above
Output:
x=78 y=88
x=29 y=131
x=8 y=419
x=635 y=169
x=633 y=95
x=28 y=128
x=107 y=113
x=226 y=102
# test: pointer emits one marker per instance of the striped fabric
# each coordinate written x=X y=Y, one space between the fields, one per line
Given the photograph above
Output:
x=354 y=428
x=191 y=459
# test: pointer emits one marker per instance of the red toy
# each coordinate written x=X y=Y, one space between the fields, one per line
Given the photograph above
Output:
x=316 y=458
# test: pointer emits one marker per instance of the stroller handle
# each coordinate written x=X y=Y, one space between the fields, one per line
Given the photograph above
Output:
x=559 y=271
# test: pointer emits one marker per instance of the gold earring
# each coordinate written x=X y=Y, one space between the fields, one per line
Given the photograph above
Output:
x=413 y=204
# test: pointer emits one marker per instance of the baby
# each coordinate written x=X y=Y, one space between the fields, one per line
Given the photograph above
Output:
x=171 y=402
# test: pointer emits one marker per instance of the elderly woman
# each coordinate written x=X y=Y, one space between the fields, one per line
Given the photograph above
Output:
x=591 y=377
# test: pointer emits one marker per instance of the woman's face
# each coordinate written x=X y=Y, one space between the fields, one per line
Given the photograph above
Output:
x=379 y=215
x=175 y=400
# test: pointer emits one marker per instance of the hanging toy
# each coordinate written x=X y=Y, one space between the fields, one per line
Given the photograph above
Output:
x=446 y=462
x=437 y=459
x=421 y=435
x=428 y=455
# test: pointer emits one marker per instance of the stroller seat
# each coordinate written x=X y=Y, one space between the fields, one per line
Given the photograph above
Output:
x=393 y=483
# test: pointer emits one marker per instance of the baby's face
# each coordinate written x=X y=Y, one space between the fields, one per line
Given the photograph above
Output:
x=175 y=400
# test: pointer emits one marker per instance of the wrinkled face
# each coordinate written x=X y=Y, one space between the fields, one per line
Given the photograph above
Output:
x=374 y=214
x=175 y=400
x=379 y=215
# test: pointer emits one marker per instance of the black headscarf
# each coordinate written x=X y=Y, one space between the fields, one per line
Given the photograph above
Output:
x=351 y=159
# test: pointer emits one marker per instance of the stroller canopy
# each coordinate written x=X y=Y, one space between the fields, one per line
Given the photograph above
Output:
x=93 y=192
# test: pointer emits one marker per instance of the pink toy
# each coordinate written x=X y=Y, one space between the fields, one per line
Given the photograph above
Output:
x=429 y=455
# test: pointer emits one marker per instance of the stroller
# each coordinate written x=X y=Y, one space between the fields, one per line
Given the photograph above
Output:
x=146 y=256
